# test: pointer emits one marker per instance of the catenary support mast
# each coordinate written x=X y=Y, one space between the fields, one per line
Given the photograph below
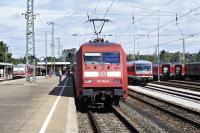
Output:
x=52 y=47
x=30 y=40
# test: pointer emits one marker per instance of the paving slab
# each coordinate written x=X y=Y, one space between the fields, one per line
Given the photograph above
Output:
x=24 y=107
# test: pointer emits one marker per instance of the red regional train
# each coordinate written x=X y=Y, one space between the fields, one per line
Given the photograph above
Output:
x=19 y=70
x=169 y=71
x=101 y=73
x=140 y=72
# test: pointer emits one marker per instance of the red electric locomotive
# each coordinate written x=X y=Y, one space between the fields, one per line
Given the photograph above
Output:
x=101 y=73
x=140 y=71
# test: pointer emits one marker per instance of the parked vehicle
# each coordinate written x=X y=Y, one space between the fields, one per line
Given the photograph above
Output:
x=140 y=72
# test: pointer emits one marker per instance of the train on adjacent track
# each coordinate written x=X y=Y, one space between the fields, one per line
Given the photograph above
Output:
x=177 y=70
x=101 y=73
x=192 y=70
x=140 y=72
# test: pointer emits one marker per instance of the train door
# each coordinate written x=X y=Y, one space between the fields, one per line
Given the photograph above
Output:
x=131 y=73
x=166 y=71
x=178 y=71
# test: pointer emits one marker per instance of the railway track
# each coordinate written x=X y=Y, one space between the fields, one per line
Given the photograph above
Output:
x=141 y=113
x=184 y=85
x=197 y=83
x=189 y=116
x=112 y=121
x=194 y=96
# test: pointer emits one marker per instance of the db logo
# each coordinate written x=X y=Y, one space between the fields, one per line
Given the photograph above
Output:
x=102 y=74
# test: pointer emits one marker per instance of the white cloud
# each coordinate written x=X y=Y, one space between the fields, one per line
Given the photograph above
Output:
x=12 y=24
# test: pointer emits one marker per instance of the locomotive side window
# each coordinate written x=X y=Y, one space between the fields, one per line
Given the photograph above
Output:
x=102 y=58
x=143 y=67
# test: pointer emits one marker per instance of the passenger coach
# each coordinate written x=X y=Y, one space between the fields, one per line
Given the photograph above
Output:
x=192 y=70
x=101 y=73
x=140 y=71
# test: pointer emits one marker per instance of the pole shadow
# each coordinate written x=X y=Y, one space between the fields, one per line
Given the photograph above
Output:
x=67 y=84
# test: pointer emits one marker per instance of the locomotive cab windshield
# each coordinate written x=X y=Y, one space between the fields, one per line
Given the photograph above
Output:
x=102 y=58
x=143 y=67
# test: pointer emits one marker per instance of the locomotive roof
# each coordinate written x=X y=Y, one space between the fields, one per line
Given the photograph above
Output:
x=177 y=63
x=169 y=63
x=139 y=62
x=100 y=44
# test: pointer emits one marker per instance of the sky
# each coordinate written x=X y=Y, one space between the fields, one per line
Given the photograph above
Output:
x=176 y=19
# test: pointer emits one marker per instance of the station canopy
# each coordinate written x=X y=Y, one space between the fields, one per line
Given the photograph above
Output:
x=52 y=63
x=5 y=64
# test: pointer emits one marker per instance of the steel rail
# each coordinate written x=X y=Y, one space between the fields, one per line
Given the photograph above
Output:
x=180 y=116
x=94 y=122
x=188 y=95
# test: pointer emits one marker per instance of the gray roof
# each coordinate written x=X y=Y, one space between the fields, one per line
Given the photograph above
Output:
x=5 y=64
x=139 y=62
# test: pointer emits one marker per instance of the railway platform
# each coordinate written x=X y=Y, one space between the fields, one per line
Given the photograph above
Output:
x=176 y=99
x=45 y=107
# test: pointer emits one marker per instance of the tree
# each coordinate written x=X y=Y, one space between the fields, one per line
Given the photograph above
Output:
x=137 y=56
x=162 y=56
x=175 y=57
x=5 y=56
x=198 y=56
x=130 y=57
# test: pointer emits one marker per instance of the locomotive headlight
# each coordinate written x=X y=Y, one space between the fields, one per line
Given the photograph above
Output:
x=87 y=81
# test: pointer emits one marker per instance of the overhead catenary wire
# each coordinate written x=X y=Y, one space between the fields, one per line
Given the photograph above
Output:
x=154 y=11
x=179 y=29
x=169 y=22
x=168 y=3
x=138 y=35
x=143 y=8
x=113 y=1
x=103 y=20
x=197 y=34
x=95 y=9
x=167 y=43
